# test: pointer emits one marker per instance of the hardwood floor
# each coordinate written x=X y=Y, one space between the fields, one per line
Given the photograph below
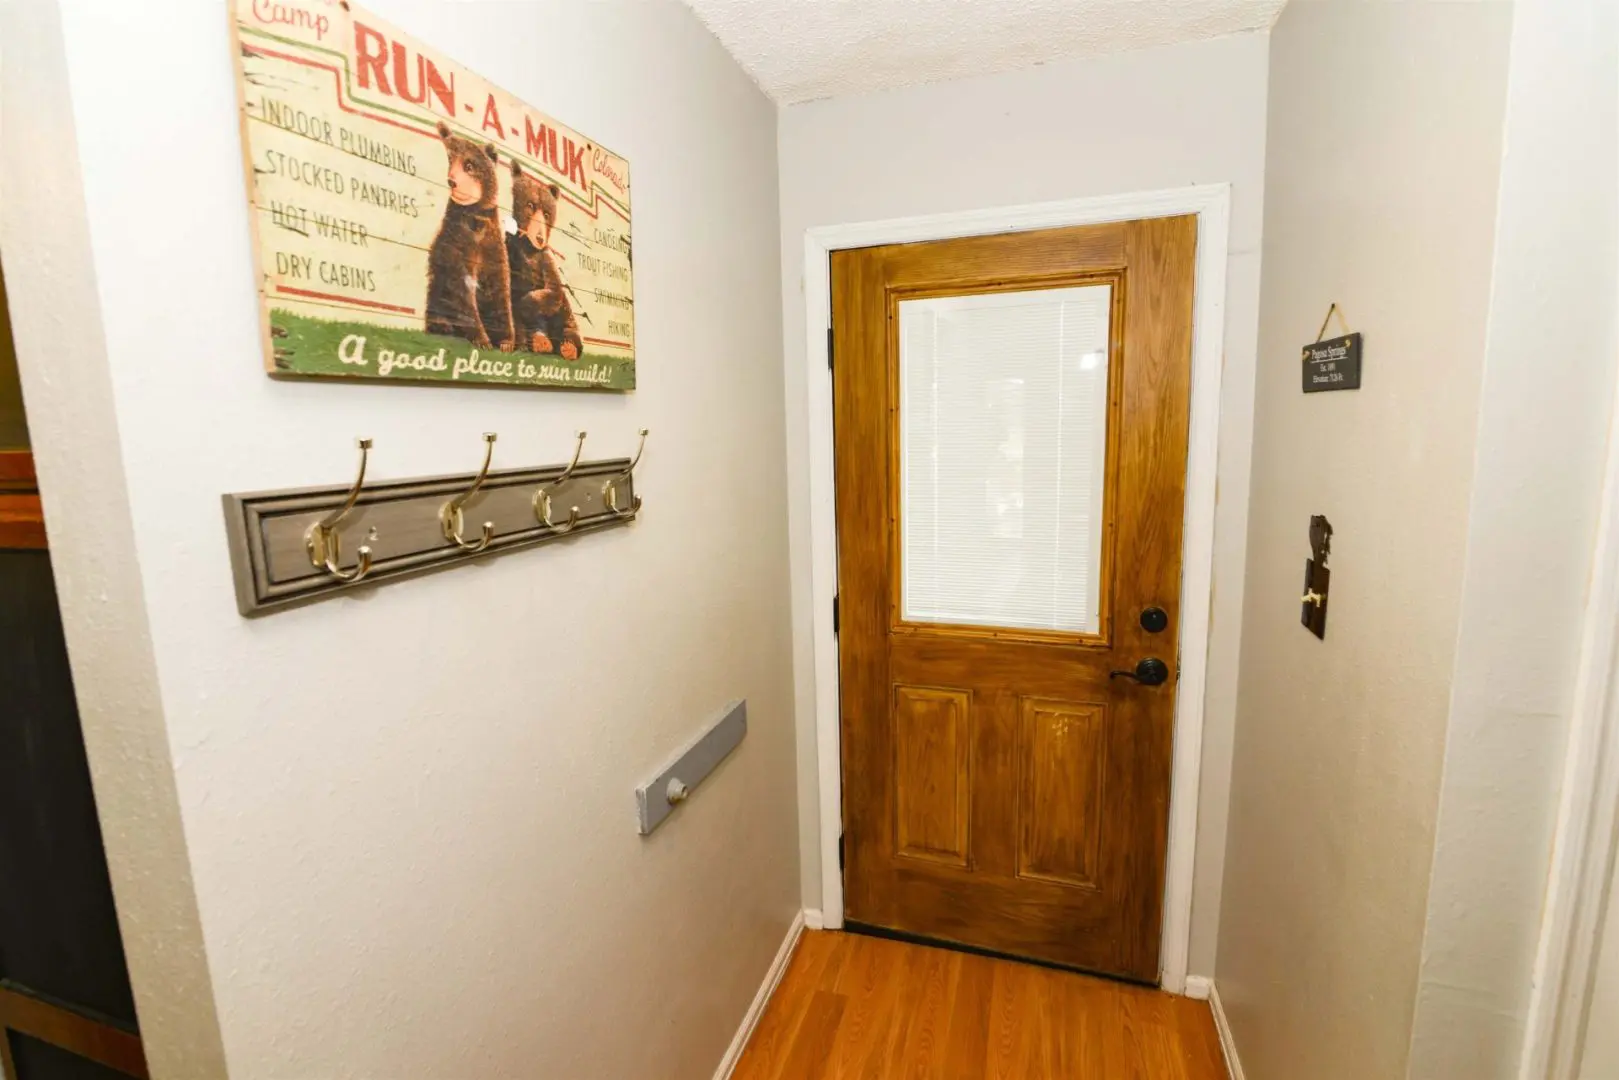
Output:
x=863 y=1008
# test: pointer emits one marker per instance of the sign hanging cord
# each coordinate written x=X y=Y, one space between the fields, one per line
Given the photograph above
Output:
x=1332 y=310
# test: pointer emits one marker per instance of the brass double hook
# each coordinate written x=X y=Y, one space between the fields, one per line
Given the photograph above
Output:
x=322 y=539
x=449 y=515
x=610 y=494
x=542 y=497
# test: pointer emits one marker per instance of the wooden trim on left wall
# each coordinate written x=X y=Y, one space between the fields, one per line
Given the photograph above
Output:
x=22 y=519
x=17 y=470
x=81 y=1034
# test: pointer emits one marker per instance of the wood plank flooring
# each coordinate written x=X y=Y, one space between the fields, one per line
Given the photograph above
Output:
x=863 y=1008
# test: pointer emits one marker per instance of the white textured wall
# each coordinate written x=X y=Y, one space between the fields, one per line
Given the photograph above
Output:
x=409 y=812
x=1383 y=159
x=1549 y=365
x=1140 y=121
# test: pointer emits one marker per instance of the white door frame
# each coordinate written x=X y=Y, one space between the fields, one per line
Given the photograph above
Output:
x=1212 y=205
x=1587 y=817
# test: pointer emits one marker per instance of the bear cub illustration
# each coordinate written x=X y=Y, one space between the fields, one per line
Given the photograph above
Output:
x=544 y=317
x=468 y=280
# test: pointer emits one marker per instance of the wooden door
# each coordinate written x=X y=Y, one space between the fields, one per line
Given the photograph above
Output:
x=1010 y=431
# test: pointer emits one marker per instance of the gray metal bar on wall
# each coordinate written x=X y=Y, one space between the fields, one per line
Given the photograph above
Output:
x=656 y=799
x=301 y=545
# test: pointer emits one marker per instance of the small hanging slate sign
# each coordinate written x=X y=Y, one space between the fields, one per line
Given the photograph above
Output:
x=1333 y=364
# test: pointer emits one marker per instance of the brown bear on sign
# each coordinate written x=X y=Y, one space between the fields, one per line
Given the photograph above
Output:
x=468 y=279
x=540 y=304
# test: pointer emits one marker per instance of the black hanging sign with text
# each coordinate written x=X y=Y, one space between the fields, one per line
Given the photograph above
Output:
x=1333 y=364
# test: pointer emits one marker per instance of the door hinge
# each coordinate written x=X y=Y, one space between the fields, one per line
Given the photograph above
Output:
x=835 y=619
x=840 y=852
x=829 y=348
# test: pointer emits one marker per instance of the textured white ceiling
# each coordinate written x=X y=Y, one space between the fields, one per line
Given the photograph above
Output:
x=799 y=50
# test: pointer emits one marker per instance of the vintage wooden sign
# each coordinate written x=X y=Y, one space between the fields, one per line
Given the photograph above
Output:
x=414 y=222
x=1333 y=364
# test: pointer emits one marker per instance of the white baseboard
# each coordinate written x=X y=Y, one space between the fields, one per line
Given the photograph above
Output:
x=1228 y=1045
x=813 y=919
x=750 y=1020
x=1198 y=987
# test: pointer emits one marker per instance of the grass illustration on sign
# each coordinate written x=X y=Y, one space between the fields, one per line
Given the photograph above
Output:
x=411 y=221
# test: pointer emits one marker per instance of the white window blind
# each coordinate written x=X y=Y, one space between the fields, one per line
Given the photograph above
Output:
x=1003 y=441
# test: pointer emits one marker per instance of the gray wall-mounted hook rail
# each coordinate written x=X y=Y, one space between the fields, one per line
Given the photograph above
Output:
x=401 y=528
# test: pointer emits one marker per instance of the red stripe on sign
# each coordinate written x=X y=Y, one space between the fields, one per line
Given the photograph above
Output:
x=290 y=291
x=606 y=341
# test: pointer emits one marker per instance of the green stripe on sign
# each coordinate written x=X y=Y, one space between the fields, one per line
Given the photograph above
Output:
x=352 y=349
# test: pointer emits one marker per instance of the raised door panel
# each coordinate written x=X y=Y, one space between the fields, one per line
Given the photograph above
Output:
x=932 y=755
x=1063 y=769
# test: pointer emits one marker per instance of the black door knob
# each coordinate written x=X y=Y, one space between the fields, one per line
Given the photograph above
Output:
x=1154 y=620
x=1150 y=672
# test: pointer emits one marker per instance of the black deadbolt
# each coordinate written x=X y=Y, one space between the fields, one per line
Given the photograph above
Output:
x=1154 y=620
x=1150 y=672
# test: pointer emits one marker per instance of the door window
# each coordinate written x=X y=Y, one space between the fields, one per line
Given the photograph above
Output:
x=1003 y=458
